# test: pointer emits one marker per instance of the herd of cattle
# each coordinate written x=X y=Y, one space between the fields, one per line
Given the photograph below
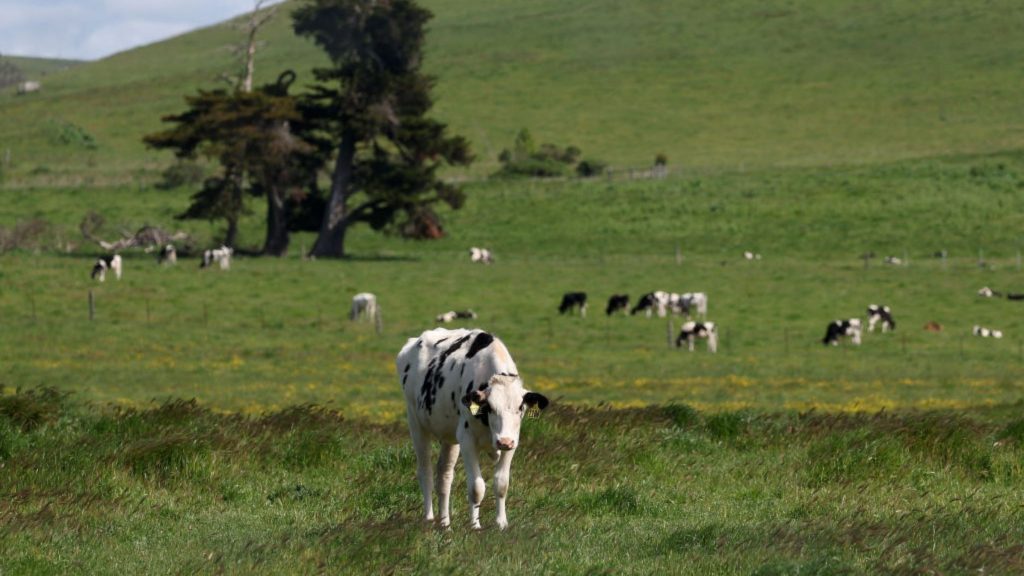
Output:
x=167 y=255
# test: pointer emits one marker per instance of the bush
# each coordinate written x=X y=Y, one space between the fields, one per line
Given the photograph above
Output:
x=535 y=167
x=546 y=161
x=589 y=168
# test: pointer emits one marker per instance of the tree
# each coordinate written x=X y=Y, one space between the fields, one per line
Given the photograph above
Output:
x=250 y=134
x=373 y=102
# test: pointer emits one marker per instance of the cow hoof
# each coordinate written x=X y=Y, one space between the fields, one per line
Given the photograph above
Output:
x=502 y=524
x=476 y=526
x=445 y=523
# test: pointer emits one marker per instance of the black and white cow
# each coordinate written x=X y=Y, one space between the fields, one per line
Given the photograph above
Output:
x=364 y=305
x=617 y=302
x=463 y=390
x=893 y=260
x=453 y=315
x=104 y=263
x=986 y=332
x=221 y=256
x=691 y=331
x=879 y=313
x=572 y=300
x=1014 y=296
x=482 y=255
x=840 y=328
x=168 y=255
x=656 y=301
x=986 y=292
x=690 y=302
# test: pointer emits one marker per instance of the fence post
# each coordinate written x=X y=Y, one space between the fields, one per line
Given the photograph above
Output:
x=944 y=258
x=671 y=329
x=785 y=339
x=378 y=321
x=92 y=306
x=679 y=254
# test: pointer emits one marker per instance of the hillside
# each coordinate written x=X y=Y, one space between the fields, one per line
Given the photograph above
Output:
x=36 y=68
x=730 y=86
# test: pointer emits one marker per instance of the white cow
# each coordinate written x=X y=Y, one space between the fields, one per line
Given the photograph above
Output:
x=691 y=331
x=482 y=255
x=751 y=256
x=168 y=255
x=453 y=315
x=986 y=332
x=463 y=390
x=104 y=263
x=986 y=292
x=894 y=260
x=364 y=305
x=220 y=255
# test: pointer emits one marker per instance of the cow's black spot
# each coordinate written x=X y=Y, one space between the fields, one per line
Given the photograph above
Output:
x=482 y=340
x=438 y=343
x=407 y=366
x=404 y=378
x=462 y=371
x=483 y=386
x=509 y=374
x=466 y=424
x=434 y=378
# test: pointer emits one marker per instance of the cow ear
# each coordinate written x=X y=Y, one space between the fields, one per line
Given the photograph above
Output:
x=534 y=399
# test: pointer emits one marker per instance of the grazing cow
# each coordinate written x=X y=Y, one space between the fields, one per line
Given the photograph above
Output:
x=933 y=326
x=986 y=292
x=693 y=301
x=840 y=328
x=751 y=256
x=456 y=315
x=220 y=255
x=28 y=87
x=168 y=255
x=703 y=330
x=463 y=390
x=1014 y=296
x=104 y=263
x=657 y=300
x=894 y=260
x=572 y=300
x=364 y=305
x=482 y=255
x=986 y=332
x=617 y=302
x=883 y=314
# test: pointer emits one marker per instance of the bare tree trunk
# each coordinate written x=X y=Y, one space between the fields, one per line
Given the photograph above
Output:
x=253 y=26
x=231 y=236
x=277 y=240
x=331 y=241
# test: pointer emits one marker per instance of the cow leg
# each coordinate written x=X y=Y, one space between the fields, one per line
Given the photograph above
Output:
x=501 y=478
x=583 y=311
x=474 y=482
x=689 y=340
x=421 y=444
x=445 y=474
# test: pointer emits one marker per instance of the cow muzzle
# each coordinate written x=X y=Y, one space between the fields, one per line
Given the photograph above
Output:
x=505 y=443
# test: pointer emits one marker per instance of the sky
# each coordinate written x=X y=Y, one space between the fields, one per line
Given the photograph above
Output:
x=92 y=29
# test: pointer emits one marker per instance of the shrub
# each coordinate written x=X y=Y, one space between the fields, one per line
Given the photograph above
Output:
x=661 y=159
x=590 y=167
x=33 y=408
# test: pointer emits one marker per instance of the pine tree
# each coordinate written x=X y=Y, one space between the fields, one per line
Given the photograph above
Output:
x=373 y=102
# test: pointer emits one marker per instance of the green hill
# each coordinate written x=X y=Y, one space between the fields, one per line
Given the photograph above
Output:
x=35 y=68
x=730 y=86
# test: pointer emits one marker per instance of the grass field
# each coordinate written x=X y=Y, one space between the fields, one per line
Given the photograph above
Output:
x=775 y=456
x=735 y=87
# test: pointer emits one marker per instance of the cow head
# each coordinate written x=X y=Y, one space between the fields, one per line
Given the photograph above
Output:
x=502 y=403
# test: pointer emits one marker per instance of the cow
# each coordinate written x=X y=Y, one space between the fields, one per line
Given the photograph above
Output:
x=840 y=328
x=221 y=256
x=986 y=332
x=482 y=255
x=617 y=302
x=693 y=301
x=455 y=315
x=572 y=300
x=751 y=256
x=1014 y=296
x=894 y=260
x=462 y=389
x=28 y=87
x=986 y=292
x=104 y=263
x=878 y=313
x=364 y=305
x=650 y=302
x=168 y=255
x=694 y=330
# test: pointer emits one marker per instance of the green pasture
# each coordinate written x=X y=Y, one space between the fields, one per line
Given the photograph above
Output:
x=273 y=332
x=734 y=86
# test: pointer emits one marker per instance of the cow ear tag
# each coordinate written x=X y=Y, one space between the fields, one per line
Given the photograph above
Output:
x=474 y=408
x=533 y=412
